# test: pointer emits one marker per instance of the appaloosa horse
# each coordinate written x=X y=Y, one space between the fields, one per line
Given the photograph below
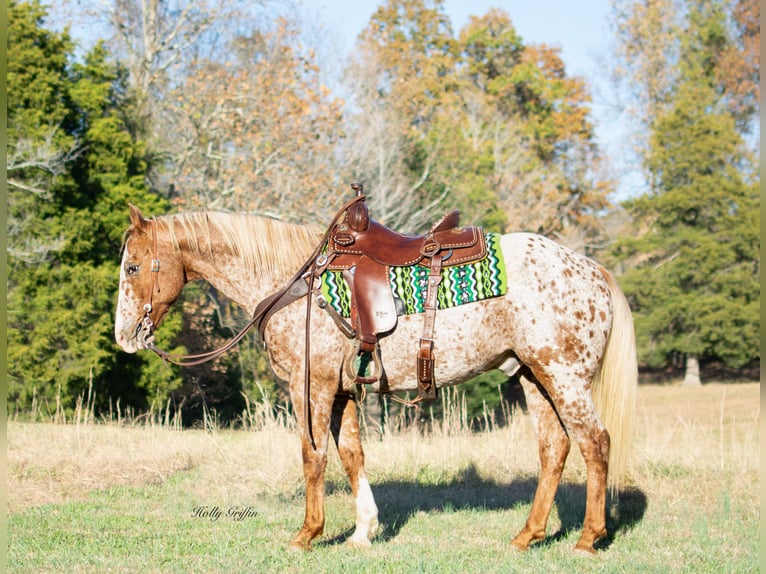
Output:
x=563 y=321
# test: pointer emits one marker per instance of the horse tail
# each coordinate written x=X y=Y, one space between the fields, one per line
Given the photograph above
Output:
x=614 y=386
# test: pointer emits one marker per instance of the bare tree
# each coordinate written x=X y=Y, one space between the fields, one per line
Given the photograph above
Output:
x=151 y=37
x=376 y=154
x=38 y=160
x=644 y=56
x=31 y=164
x=256 y=133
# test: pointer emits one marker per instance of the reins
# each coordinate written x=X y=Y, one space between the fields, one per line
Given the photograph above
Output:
x=301 y=284
x=148 y=325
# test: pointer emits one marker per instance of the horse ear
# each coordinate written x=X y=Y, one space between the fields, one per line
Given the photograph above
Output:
x=136 y=217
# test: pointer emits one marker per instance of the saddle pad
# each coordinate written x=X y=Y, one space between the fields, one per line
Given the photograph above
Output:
x=460 y=284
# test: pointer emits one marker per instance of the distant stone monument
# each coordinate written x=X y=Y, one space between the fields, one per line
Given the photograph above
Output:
x=692 y=376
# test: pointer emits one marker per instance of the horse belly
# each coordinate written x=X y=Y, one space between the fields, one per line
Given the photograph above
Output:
x=468 y=340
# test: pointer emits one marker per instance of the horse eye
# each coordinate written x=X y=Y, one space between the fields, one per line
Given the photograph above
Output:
x=131 y=269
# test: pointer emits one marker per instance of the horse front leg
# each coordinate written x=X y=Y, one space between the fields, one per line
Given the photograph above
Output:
x=345 y=431
x=314 y=460
x=553 y=448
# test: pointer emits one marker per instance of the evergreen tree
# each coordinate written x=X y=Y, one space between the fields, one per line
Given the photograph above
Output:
x=695 y=285
x=75 y=168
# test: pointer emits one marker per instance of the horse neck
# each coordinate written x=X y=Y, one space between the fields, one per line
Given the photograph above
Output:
x=214 y=261
x=228 y=276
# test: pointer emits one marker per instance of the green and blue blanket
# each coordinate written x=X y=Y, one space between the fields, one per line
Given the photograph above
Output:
x=460 y=284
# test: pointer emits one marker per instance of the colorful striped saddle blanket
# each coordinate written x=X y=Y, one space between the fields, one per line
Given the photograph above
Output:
x=460 y=284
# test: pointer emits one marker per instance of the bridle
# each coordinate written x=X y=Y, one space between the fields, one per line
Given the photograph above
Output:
x=148 y=326
x=298 y=287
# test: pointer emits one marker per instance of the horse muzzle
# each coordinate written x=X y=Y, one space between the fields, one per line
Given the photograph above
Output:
x=144 y=331
x=135 y=335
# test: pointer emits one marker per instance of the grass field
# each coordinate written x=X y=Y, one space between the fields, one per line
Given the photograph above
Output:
x=146 y=497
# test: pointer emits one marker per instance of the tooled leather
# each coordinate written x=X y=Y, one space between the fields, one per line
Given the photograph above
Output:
x=389 y=247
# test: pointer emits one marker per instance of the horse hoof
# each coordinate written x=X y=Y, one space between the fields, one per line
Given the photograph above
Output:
x=524 y=540
x=300 y=546
x=358 y=543
x=518 y=546
x=585 y=551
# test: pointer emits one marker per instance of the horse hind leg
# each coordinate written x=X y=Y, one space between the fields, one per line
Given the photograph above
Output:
x=345 y=430
x=594 y=441
x=553 y=449
x=575 y=409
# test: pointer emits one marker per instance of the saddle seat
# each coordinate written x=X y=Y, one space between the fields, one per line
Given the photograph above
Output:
x=364 y=250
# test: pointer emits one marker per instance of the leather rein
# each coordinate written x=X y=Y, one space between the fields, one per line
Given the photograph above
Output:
x=148 y=326
x=299 y=286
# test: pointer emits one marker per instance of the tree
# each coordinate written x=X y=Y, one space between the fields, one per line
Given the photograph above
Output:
x=543 y=161
x=39 y=146
x=645 y=56
x=400 y=76
x=155 y=40
x=256 y=132
x=480 y=122
x=739 y=64
x=694 y=286
x=647 y=53
x=61 y=298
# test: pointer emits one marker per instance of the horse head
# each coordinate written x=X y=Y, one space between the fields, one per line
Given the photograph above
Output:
x=151 y=278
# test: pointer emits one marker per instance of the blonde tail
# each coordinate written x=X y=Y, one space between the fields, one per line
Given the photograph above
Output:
x=614 y=386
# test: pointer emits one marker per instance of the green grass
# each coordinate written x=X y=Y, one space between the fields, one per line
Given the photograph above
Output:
x=442 y=508
x=437 y=528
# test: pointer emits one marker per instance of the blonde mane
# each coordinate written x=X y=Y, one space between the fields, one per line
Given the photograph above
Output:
x=266 y=246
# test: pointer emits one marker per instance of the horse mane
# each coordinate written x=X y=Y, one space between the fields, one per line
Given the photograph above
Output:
x=267 y=246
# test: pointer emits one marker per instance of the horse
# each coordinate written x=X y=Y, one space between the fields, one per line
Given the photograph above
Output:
x=564 y=326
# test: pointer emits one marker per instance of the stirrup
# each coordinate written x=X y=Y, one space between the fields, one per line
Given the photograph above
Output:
x=364 y=367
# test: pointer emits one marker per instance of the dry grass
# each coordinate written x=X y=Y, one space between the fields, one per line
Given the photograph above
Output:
x=64 y=458
x=55 y=463
x=680 y=431
x=714 y=427
x=697 y=450
x=449 y=499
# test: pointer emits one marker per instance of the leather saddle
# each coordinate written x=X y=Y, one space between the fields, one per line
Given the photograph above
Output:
x=364 y=250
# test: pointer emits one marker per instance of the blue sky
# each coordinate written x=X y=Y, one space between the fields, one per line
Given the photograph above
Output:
x=578 y=27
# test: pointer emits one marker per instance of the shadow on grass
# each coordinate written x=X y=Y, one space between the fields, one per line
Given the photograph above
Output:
x=399 y=500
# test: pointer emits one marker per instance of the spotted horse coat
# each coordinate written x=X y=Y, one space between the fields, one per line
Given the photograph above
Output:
x=563 y=324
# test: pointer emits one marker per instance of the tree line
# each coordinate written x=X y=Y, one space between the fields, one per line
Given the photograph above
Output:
x=225 y=105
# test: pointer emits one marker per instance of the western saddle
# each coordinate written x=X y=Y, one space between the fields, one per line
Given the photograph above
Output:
x=363 y=250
